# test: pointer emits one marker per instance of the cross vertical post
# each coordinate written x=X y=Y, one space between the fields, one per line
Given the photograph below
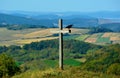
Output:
x=61 y=31
x=60 y=45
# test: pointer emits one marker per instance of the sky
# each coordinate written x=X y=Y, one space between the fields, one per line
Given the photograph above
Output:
x=60 y=5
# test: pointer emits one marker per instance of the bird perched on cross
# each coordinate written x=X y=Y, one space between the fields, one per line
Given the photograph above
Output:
x=69 y=26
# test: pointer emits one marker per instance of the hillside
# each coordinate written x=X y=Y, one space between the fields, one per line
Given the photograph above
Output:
x=40 y=60
x=100 y=63
x=105 y=60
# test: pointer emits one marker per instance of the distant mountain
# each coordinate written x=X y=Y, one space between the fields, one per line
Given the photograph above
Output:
x=50 y=19
x=99 y=14
x=105 y=14
x=10 y=19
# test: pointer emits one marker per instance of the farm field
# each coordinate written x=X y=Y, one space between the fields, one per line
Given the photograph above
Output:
x=104 y=38
x=21 y=37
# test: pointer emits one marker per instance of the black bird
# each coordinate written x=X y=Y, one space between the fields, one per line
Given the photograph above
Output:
x=69 y=26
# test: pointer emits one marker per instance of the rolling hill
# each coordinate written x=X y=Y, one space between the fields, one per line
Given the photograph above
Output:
x=112 y=26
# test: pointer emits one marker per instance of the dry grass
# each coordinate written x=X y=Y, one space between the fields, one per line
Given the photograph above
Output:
x=114 y=38
x=115 y=34
x=79 y=31
x=94 y=36
x=72 y=72
x=41 y=33
x=17 y=35
x=27 y=41
x=91 y=40
x=81 y=60
x=107 y=34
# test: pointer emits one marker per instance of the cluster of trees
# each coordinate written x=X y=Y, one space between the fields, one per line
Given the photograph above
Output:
x=48 y=50
x=73 y=45
x=21 y=27
x=106 y=59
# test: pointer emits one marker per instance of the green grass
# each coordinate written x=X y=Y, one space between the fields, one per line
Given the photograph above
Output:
x=69 y=62
x=100 y=35
x=51 y=63
x=82 y=37
x=101 y=39
x=71 y=72
x=70 y=37
x=72 y=62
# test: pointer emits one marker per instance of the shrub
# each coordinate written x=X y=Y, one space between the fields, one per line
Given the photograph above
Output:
x=114 y=69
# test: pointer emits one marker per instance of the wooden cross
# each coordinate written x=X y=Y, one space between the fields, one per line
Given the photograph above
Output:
x=61 y=31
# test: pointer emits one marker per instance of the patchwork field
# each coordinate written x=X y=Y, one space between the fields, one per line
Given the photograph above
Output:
x=104 y=38
x=20 y=37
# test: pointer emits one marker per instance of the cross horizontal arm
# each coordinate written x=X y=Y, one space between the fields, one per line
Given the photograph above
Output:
x=60 y=31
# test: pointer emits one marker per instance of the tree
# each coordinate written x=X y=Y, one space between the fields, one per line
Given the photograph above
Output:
x=8 y=66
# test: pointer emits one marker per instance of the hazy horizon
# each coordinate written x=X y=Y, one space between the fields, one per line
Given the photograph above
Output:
x=60 y=5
